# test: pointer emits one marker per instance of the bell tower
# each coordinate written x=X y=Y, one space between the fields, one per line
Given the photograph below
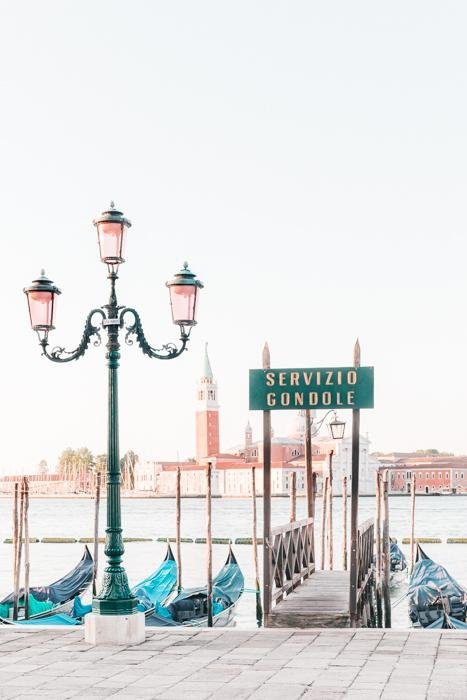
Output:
x=207 y=414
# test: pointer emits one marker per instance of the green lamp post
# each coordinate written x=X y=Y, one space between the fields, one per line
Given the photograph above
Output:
x=115 y=597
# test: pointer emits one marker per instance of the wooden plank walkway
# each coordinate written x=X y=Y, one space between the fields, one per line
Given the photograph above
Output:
x=322 y=600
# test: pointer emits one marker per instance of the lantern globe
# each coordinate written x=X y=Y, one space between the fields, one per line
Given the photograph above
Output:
x=183 y=290
x=111 y=228
x=41 y=295
x=336 y=428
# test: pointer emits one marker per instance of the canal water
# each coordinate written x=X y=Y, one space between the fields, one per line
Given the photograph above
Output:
x=436 y=516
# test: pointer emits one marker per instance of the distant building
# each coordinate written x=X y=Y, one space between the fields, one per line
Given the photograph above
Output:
x=231 y=470
x=38 y=484
x=433 y=475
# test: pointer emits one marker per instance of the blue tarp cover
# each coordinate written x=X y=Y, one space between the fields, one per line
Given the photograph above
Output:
x=431 y=587
x=66 y=588
x=397 y=558
x=58 y=619
x=227 y=587
x=153 y=590
x=447 y=622
x=157 y=587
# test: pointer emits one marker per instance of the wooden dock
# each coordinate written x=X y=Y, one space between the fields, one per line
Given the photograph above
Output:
x=322 y=600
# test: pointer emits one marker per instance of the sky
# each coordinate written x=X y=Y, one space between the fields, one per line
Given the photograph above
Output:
x=308 y=159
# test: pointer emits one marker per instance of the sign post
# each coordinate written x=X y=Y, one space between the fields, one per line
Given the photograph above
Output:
x=267 y=584
x=308 y=389
x=354 y=503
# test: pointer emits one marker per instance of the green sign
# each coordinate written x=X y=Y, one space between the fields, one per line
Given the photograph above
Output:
x=322 y=387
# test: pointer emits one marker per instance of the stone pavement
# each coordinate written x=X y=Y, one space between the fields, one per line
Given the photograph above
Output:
x=262 y=664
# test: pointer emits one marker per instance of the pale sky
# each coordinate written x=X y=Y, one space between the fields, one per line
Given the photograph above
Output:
x=309 y=160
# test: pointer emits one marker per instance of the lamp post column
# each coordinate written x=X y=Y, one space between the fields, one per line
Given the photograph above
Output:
x=115 y=597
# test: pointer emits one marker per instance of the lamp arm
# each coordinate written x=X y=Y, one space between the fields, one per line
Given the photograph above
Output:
x=169 y=351
x=59 y=354
x=320 y=422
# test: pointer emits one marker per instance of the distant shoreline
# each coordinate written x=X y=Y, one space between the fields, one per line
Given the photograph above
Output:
x=145 y=497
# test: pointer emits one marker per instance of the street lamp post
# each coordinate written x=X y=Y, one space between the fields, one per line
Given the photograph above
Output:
x=115 y=597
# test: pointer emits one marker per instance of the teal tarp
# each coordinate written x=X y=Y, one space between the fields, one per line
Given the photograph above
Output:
x=152 y=591
x=227 y=587
x=157 y=587
x=433 y=591
x=58 y=619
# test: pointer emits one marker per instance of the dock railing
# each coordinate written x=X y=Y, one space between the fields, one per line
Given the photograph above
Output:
x=292 y=557
x=365 y=611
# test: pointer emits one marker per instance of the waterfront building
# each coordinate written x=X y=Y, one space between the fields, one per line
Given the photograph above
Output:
x=433 y=475
x=231 y=470
x=39 y=484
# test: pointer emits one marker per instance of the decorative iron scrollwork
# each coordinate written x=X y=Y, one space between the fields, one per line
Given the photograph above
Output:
x=167 y=352
x=59 y=354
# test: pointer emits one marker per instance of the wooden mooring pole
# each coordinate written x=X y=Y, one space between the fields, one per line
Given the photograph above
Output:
x=19 y=552
x=27 y=563
x=209 y=539
x=324 y=521
x=329 y=530
x=379 y=608
x=293 y=496
x=178 y=513
x=386 y=557
x=354 y=504
x=412 y=522
x=310 y=480
x=96 y=533
x=15 y=552
x=259 y=609
x=344 y=523
x=267 y=559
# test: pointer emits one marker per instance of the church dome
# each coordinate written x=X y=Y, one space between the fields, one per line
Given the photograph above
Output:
x=297 y=426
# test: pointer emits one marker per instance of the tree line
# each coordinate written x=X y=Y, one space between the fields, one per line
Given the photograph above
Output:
x=81 y=466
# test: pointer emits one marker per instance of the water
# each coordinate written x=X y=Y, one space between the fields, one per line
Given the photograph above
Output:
x=441 y=516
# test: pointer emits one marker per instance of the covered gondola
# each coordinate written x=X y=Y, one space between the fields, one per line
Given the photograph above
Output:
x=397 y=560
x=57 y=597
x=154 y=589
x=190 y=607
x=434 y=593
x=446 y=622
x=397 y=565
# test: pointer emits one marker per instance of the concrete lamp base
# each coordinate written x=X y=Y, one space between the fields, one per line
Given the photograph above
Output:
x=114 y=629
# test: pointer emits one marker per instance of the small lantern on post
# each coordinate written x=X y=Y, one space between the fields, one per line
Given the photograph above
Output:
x=111 y=235
x=41 y=295
x=336 y=428
x=183 y=289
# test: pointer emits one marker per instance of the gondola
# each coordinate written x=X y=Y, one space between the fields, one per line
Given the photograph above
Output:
x=156 y=588
x=433 y=593
x=446 y=622
x=57 y=597
x=152 y=590
x=190 y=607
x=397 y=565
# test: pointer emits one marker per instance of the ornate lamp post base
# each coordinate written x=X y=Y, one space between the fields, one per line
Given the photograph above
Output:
x=114 y=629
x=115 y=606
x=115 y=597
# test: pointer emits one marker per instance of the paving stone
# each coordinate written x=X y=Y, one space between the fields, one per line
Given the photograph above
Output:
x=232 y=694
x=262 y=665
x=24 y=682
x=323 y=694
x=278 y=692
x=303 y=676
